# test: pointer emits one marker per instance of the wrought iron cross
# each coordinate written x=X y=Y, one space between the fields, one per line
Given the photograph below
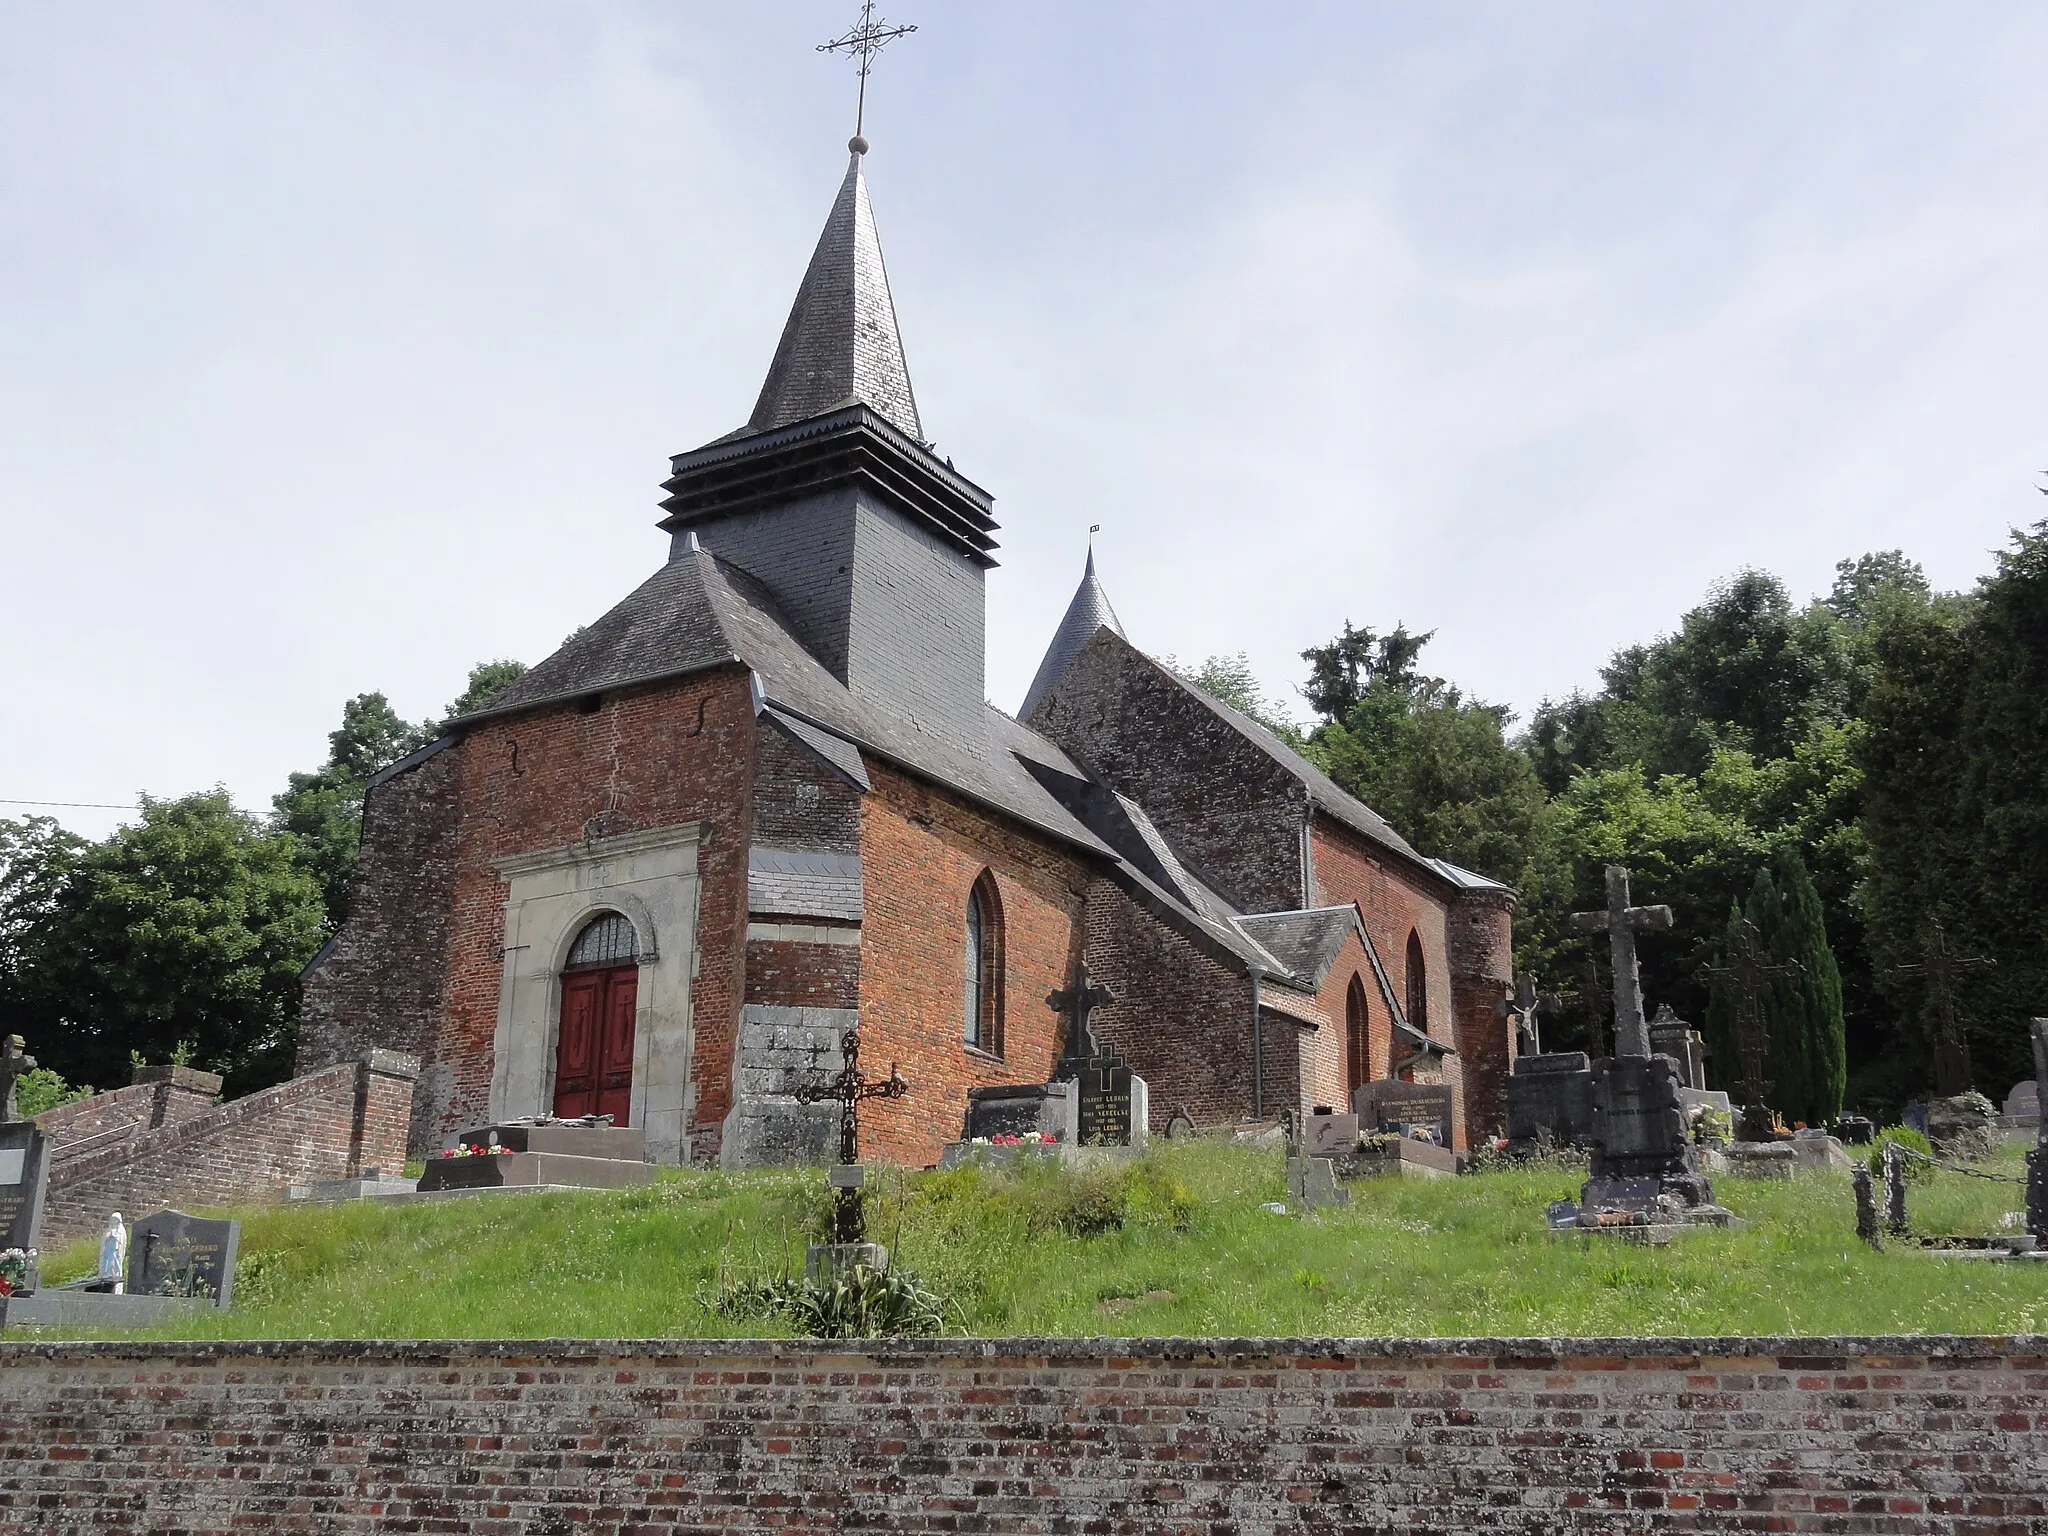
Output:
x=848 y=1086
x=14 y=1063
x=1528 y=1001
x=863 y=41
x=1074 y=1002
x=1622 y=923
x=1749 y=975
x=1940 y=970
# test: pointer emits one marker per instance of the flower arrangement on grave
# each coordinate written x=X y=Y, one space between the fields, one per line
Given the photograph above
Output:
x=15 y=1263
x=1708 y=1123
x=465 y=1150
x=1028 y=1139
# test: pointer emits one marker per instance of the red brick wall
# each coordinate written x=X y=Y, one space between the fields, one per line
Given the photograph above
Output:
x=1327 y=1066
x=159 y=1096
x=1482 y=974
x=1893 y=1437
x=1394 y=904
x=651 y=757
x=921 y=852
x=328 y=1124
x=802 y=974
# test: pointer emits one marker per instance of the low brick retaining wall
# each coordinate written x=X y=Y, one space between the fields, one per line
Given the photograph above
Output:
x=1891 y=1435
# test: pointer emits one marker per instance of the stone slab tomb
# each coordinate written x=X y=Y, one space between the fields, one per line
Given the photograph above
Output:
x=558 y=1156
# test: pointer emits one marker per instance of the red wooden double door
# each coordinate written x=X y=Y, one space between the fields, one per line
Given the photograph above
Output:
x=594 y=1060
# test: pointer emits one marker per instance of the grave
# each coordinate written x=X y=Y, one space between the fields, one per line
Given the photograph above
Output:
x=1391 y=1105
x=24 y=1162
x=1672 y=1036
x=1328 y=1134
x=527 y=1156
x=172 y=1254
x=2037 y=1156
x=1312 y=1183
x=1645 y=1169
x=1550 y=1102
x=1017 y=1109
x=1113 y=1104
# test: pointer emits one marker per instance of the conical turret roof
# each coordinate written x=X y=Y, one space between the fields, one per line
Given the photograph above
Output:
x=1088 y=612
x=841 y=344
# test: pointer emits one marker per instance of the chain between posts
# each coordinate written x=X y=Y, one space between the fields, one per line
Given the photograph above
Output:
x=1968 y=1173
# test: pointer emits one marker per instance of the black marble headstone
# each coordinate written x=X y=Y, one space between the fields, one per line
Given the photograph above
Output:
x=1383 y=1104
x=24 y=1171
x=1105 y=1102
x=172 y=1254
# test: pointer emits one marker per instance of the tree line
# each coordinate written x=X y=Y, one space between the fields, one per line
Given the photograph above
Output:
x=1842 y=774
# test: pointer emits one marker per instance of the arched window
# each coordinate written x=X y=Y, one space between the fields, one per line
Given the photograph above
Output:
x=607 y=939
x=1357 y=1039
x=1418 y=984
x=984 y=1013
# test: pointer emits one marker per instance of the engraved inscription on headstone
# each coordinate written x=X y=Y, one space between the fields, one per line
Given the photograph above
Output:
x=1105 y=1102
x=172 y=1254
x=1383 y=1105
x=24 y=1168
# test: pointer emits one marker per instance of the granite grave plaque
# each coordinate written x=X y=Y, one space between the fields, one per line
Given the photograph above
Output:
x=24 y=1170
x=172 y=1254
x=1384 y=1104
x=1550 y=1101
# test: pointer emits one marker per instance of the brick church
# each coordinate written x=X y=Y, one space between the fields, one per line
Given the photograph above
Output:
x=764 y=799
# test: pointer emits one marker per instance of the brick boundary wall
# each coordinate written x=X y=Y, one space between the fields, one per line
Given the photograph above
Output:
x=159 y=1096
x=329 y=1124
x=1890 y=1436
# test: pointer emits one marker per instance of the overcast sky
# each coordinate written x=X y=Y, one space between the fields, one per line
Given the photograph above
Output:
x=342 y=345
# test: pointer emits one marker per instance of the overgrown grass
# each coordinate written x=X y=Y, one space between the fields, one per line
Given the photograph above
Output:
x=1176 y=1244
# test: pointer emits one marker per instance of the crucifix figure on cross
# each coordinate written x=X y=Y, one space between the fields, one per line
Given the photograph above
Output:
x=1074 y=1003
x=1941 y=969
x=848 y=1086
x=1527 y=1001
x=14 y=1063
x=863 y=41
x=1749 y=974
x=1622 y=923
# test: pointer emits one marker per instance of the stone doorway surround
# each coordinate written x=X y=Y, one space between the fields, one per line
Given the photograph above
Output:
x=650 y=877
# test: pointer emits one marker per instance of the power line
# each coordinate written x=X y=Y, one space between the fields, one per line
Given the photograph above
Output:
x=81 y=805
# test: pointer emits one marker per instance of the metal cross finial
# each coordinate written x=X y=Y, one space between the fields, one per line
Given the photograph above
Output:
x=1621 y=923
x=1941 y=969
x=1749 y=974
x=863 y=41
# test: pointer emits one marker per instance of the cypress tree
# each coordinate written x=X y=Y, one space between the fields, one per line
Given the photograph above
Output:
x=1808 y=1006
x=1723 y=1045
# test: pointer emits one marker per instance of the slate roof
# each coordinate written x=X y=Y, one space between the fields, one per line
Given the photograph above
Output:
x=841 y=344
x=1088 y=612
x=1305 y=942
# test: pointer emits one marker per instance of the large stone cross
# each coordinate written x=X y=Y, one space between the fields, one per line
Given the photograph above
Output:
x=1749 y=975
x=1622 y=923
x=14 y=1063
x=1941 y=969
x=1074 y=1002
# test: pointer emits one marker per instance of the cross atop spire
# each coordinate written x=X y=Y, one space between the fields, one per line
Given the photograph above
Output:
x=863 y=41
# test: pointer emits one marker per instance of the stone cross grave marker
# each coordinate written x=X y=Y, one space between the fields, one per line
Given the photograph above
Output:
x=1622 y=923
x=1940 y=969
x=1749 y=974
x=1074 y=1003
x=172 y=1254
x=848 y=1087
x=14 y=1063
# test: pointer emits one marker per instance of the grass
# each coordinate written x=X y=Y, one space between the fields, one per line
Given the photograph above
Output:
x=1177 y=1244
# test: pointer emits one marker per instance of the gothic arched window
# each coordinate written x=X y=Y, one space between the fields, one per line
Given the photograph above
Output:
x=1357 y=1038
x=1418 y=984
x=607 y=939
x=984 y=1013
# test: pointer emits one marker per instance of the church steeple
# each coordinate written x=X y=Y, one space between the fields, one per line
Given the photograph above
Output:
x=841 y=345
x=1088 y=612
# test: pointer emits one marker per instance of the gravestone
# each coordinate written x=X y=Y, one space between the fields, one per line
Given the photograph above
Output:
x=1113 y=1103
x=2023 y=1104
x=1550 y=1101
x=1640 y=1146
x=24 y=1172
x=1386 y=1105
x=2037 y=1155
x=1312 y=1181
x=172 y=1254
x=1672 y=1036
x=1017 y=1109
x=1326 y=1134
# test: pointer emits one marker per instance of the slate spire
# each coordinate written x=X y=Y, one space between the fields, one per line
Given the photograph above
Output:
x=841 y=344
x=1088 y=612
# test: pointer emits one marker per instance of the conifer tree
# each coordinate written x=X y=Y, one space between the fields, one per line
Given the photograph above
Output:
x=1808 y=1011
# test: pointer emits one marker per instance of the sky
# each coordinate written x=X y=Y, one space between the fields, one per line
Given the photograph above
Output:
x=343 y=345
